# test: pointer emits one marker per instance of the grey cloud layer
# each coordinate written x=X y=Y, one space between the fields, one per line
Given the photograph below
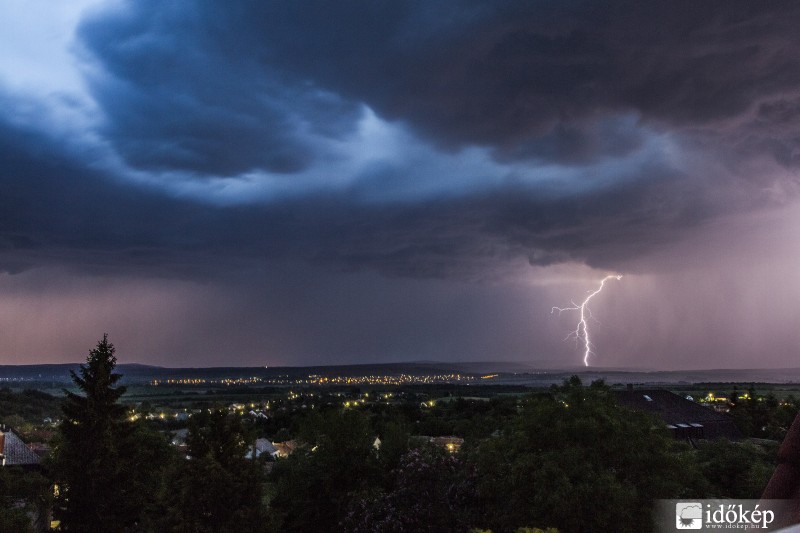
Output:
x=56 y=209
x=218 y=90
x=464 y=139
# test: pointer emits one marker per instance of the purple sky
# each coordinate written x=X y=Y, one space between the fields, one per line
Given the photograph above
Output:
x=291 y=183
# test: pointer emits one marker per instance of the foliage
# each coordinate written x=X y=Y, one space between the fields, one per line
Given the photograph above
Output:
x=430 y=491
x=215 y=489
x=736 y=469
x=394 y=444
x=762 y=416
x=28 y=406
x=521 y=530
x=23 y=495
x=317 y=482
x=570 y=458
x=469 y=418
x=576 y=460
x=104 y=465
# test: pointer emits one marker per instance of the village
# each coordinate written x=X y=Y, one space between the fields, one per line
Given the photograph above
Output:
x=270 y=426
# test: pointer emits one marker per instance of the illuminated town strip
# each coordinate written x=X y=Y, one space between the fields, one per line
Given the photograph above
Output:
x=401 y=379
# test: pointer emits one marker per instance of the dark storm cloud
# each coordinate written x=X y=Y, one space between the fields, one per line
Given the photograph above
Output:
x=57 y=210
x=317 y=180
x=221 y=89
x=181 y=91
x=217 y=88
x=501 y=73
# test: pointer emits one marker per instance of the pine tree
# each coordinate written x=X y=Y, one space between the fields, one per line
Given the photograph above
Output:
x=89 y=468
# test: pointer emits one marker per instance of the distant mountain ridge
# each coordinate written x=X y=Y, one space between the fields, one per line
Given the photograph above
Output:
x=47 y=371
x=507 y=372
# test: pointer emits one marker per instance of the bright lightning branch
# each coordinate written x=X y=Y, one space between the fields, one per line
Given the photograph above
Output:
x=581 y=332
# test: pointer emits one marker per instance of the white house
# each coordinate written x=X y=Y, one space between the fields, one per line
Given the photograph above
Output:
x=259 y=447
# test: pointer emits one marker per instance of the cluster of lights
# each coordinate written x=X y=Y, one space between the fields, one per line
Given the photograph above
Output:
x=315 y=379
x=155 y=416
x=712 y=398
x=199 y=381
x=401 y=379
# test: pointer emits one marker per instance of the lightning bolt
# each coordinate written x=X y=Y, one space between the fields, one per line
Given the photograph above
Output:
x=581 y=332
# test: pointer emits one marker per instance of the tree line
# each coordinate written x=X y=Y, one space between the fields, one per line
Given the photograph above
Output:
x=568 y=460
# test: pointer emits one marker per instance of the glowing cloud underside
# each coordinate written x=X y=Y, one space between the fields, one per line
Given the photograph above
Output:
x=581 y=332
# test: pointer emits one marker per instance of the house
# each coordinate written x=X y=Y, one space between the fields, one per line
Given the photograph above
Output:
x=684 y=418
x=285 y=449
x=260 y=447
x=179 y=438
x=14 y=451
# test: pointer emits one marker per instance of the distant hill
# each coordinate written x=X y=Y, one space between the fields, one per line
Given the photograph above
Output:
x=61 y=372
x=508 y=372
x=36 y=372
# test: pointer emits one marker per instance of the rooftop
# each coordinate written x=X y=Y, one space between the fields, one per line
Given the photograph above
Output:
x=684 y=417
x=16 y=452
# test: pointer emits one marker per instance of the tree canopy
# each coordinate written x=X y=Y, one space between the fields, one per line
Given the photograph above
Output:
x=104 y=466
x=575 y=460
